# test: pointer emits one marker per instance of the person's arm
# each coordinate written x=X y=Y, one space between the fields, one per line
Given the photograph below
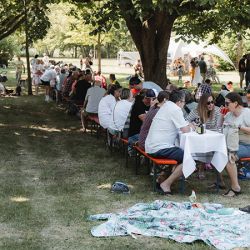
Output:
x=190 y=127
x=142 y=117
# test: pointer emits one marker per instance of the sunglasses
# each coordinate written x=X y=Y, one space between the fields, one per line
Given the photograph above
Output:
x=227 y=103
x=211 y=102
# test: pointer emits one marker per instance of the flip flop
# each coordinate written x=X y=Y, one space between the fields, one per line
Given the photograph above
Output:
x=214 y=185
x=233 y=192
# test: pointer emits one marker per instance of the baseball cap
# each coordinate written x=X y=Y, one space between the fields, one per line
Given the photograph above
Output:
x=150 y=93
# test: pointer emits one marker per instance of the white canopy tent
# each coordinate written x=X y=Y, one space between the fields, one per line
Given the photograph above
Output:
x=179 y=49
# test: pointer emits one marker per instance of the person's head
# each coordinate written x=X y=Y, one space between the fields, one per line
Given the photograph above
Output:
x=177 y=97
x=125 y=94
x=208 y=81
x=202 y=58
x=36 y=56
x=63 y=71
x=162 y=96
x=112 y=77
x=230 y=85
x=88 y=75
x=115 y=90
x=135 y=83
x=188 y=97
x=233 y=101
x=205 y=107
x=171 y=87
x=149 y=95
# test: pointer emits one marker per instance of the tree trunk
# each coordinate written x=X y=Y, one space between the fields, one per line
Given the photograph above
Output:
x=151 y=37
x=27 y=51
x=99 y=51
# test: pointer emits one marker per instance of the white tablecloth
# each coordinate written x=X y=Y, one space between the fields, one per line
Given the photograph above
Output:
x=211 y=141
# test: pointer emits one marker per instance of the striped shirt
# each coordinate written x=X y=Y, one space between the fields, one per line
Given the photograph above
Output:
x=211 y=123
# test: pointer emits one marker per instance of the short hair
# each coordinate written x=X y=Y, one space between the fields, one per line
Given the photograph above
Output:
x=134 y=80
x=113 y=88
x=162 y=95
x=176 y=96
x=36 y=56
x=208 y=81
x=235 y=97
x=112 y=76
x=125 y=93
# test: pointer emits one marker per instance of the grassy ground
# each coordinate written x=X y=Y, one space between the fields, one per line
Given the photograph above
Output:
x=53 y=177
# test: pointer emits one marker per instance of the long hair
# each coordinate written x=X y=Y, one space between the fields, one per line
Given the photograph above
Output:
x=202 y=109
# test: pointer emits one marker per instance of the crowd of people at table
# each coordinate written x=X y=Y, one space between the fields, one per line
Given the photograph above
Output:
x=149 y=116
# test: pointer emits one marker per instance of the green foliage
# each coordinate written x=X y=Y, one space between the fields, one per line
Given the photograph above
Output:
x=8 y=48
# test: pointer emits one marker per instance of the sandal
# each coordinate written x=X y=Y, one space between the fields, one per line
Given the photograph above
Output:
x=159 y=190
x=215 y=185
x=231 y=193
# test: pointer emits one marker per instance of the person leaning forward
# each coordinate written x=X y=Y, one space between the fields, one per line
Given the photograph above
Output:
x=163 y=133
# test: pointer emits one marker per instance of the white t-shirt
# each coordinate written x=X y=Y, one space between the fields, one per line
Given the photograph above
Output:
x=94 y=96
x=120 y=114
x=165 y=128
x=243 y=119
x=48 y=75
x=105 y=110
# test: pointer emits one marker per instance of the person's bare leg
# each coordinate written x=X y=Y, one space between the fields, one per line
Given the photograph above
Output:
x=83 y=120
x=233 y=175
x=166 y=185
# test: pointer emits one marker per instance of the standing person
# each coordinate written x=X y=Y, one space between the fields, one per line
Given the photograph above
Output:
x=113 y=80
x=20 y=68
x=203 y=88
x=163 y=133
x=37 y=70
x=247 y=71
x=203 y=68
x=45 y=60
x=242 y=69
x=48 y=76
x=180 y=73
x=81 y=62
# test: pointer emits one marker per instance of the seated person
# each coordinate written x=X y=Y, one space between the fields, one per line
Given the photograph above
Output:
x=206 y=113
x=120 y=112
x=220 y=99
x=91 y=103
x=79 y=90
x=230 y=86
x=107 y=104
x=161 y=99
x=190 y=103
x=138 y=112
x=163 y=133
x=240 y=117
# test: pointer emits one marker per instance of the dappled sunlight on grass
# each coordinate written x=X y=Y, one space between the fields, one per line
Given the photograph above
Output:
x=104 y=186
x=19 y=199
x=6 y=107
x=16 y=133
x=45 y=128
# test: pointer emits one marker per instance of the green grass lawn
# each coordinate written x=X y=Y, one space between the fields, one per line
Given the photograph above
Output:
x=53 y=177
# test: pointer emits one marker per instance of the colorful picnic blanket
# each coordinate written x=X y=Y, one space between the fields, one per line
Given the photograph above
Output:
x=223 y=228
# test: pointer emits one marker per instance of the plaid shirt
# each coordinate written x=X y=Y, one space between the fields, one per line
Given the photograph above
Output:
x=204 y=88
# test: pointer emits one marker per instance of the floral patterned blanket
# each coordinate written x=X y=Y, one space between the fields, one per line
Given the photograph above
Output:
x=223 y=228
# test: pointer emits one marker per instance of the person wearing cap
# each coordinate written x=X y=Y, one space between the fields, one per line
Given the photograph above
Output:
x=138 y=112
x=163 y=132
x=136 y=85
